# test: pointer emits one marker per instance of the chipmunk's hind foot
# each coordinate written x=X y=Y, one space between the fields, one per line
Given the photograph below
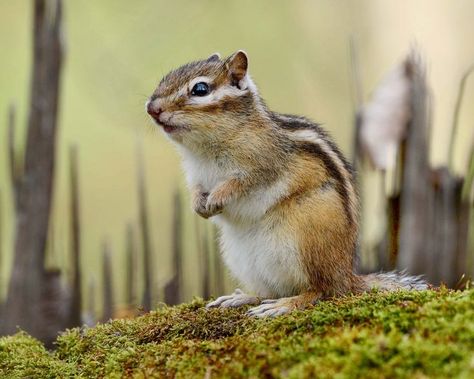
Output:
x=236 y=299
x=284 y=305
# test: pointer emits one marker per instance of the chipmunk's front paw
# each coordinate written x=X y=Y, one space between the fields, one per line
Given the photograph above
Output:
x=207 y=204
x=214 y=204
x=199 y=203
x=237 y=299
x=208 y=209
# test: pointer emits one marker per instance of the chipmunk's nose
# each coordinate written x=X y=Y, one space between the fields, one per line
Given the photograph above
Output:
x=153 y=111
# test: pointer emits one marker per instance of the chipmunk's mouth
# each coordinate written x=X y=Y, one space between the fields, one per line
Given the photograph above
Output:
x=167 y=126
x=171 y=128
x=164 y=119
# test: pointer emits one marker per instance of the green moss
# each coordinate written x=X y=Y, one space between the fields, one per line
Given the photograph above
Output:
x=376 y=335
x=21 y=356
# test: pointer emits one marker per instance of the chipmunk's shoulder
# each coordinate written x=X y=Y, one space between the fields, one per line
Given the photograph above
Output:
x=311 y=135
x=293 y=122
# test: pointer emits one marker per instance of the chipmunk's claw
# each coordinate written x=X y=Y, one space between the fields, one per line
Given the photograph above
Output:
x=214 y=205
x=272 y=309
x=284 y=305
x=236 y=299
x=270 y=301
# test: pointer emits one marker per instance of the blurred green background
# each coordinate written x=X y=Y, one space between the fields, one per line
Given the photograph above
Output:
x=117 y=51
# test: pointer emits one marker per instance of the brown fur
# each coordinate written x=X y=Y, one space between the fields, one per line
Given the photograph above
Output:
x=315 y=212
x=301 y=301
x=239 y=133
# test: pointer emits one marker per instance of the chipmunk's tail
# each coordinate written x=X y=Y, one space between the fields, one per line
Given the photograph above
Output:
x=395 y=280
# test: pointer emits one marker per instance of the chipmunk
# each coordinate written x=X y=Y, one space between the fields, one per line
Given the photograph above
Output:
x=279 y=189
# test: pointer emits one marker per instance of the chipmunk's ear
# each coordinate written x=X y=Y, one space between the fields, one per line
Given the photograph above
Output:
x=237 y=65
x=214 y=57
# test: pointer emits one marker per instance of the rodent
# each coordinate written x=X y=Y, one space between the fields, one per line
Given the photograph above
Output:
x=280 y=190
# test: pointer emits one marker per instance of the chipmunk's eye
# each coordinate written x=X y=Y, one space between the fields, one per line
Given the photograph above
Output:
x=200 y=89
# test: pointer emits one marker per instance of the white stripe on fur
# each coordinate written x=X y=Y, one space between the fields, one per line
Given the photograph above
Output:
x=311 y=136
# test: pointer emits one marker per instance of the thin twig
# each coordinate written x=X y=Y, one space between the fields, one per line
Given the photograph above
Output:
x=76 y=300
x=357 y=93
x=357 y=99
x=468 y=187
x=457 y=112
x=144 y=228
x=12 y=154
x=108 y=292
x=173 y=287
x=131 y=253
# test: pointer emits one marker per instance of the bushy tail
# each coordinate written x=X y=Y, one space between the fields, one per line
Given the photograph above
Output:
x=395 y=280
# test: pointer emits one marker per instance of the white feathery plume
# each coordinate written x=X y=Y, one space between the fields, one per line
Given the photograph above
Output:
x=386 y=116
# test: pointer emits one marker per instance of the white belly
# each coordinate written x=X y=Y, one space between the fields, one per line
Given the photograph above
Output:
x=265 y=261
x=263 y=258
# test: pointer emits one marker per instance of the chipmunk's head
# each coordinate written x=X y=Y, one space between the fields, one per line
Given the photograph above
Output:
x=203 y=98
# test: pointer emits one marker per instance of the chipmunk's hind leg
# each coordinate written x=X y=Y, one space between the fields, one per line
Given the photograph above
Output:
x=236 y=299
x=284 y=305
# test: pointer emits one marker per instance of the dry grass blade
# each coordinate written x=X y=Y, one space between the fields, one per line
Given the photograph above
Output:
x=144 y=228
x=108 y=291
x=457 y=112
x=76 y=300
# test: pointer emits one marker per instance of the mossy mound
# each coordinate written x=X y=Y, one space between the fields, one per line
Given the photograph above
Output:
x=376 y=335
